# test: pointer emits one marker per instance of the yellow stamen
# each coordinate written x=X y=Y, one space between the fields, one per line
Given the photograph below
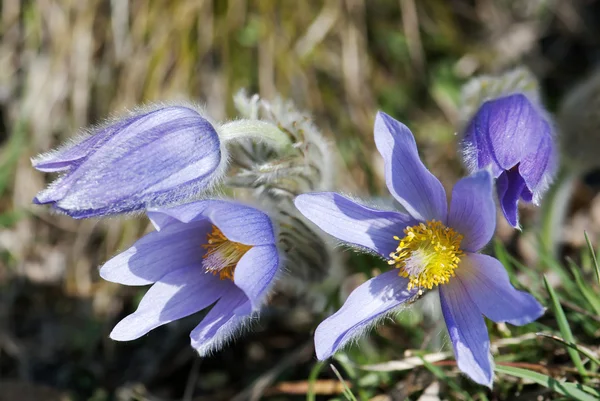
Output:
x=428 y=254
x=222 y=255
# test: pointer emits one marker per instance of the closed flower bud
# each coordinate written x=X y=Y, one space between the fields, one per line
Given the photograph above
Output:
x=275 y=176
x=159 y=157
x=513 y=138
x=284 y=172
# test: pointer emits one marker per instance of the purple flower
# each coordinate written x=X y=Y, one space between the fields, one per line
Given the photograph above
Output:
x=202 y=252
x=429 y=247
x=156 y=158
x=512 y=137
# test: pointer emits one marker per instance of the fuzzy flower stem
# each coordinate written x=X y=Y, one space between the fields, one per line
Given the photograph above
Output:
x=255 y=129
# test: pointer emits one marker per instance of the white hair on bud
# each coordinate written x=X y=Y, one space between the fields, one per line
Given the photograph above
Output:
x=486 y=87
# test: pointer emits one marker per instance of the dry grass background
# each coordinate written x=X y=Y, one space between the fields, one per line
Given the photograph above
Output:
x=66 y=64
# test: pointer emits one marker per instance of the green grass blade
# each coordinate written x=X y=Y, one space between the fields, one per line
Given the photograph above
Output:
x=564 y=328
x=574 y=346
x=502 y=255
x=312 y=378
x=10 y=218
x=566 y=280
x=9 y=155
x=574 y=391
x=347 y=392
x=590 y=296
x=441 y=375
x=593 y=253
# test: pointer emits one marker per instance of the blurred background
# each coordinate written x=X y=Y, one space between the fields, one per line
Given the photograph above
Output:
x=68 y=64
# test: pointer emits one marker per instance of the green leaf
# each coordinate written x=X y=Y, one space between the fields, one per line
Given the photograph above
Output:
x=564 y=328
x=593 y=253
x=574 y=391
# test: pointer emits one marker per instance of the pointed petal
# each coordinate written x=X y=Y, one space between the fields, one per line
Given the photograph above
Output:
x=239 y=223
x=157 y=254
x=65 y=158
x=256 y=271
x=527 y=195
x=372 y=300
x=539 y=167
x=510 y=186
x=408 y=180
x=177 y=295
x=72 y=154
x=468 y=333
x=472 y=210
x=222 y=323
x=55 y=191
x=486 y=281
x=354 y=223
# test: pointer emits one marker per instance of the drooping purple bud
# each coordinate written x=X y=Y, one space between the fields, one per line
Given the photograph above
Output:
x=512 y=137
x=160 y=157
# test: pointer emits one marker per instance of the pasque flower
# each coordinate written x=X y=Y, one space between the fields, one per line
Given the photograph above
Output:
x=201 y=253
x=154 y=158
x=511 y=136
x=430 y=247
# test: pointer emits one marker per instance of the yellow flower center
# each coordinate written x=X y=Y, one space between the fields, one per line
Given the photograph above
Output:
x=428 y=254
x=222 y=255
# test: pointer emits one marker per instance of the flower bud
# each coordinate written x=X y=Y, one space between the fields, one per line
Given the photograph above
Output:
x=513 y=138
x=159 y=157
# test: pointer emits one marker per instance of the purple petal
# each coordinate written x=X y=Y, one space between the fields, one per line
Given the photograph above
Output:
x=486 y=281
x=364 y=306
x=510 y=186
x=222 y=323
x=177 y=295
x=419 y=191
x=159 y=158
x=69 y=156
x=353 y=223
x=472 y=210
x=158 y=253
x=72 y=154
x=468 y=333
x=239 y=223
x=255 y=272
x=539 y=167
x=527 y=195
x=502 y=133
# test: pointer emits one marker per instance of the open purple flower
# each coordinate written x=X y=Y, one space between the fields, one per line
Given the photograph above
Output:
x=156 y=158
x=203 y=253
x=429 y=247
x=510 y=136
